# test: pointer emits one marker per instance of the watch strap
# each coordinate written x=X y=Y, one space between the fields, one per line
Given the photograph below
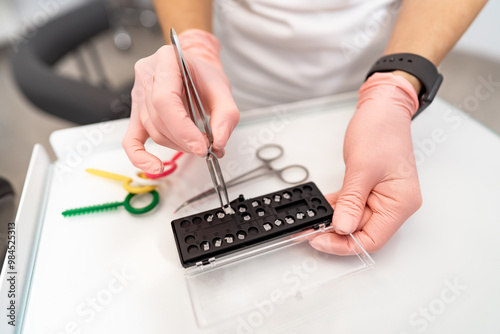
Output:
x=419 y=67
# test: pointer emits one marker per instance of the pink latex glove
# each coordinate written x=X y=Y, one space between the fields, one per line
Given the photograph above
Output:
x=381 y=189
x=159 y=107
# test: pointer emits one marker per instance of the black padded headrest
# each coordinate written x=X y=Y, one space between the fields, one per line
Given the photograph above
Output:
x=76 y=101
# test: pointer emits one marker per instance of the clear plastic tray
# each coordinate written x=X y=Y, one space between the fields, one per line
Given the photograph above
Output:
x=266 y=286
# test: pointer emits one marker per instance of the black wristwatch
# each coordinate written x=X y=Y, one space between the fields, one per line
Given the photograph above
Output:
x=419 y=67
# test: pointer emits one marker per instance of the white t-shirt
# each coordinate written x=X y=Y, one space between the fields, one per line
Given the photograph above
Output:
x=278 y=51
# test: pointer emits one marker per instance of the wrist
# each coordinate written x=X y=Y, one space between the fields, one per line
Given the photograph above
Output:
x=414 y=69
x=414 y=81
x=201 y=44
x=390 y=87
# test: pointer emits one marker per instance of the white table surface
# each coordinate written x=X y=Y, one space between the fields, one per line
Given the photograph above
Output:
x=438 y=274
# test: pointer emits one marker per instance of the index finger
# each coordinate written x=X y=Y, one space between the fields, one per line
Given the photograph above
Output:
x=133 y=144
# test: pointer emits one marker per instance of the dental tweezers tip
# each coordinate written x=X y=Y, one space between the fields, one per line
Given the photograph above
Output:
x=228 y=209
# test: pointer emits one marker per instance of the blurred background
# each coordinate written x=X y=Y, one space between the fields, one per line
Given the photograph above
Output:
x=130 y=32
x=105 y=62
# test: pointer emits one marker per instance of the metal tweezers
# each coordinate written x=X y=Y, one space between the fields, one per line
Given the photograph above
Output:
x=200 y=119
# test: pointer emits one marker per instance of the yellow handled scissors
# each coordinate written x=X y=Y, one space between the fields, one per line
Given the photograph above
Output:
x=125 y=179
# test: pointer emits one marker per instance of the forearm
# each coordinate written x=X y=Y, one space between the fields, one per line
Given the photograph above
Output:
x=183 y=15
x=430 y=28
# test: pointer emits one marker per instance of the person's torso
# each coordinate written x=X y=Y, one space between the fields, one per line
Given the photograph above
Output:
x=278 y=51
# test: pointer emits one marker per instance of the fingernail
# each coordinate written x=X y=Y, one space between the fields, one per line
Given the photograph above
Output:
x=198 y=150
x=340 y=231
x=344 y=228
x=343 y=225
x=220 y=154
x=216 y=147
x=158 y=169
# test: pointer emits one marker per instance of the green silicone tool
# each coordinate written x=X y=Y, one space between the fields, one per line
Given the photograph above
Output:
x=114 y=205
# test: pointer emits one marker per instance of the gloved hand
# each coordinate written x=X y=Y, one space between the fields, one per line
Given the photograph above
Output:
x=159 y=108
x=381 y=189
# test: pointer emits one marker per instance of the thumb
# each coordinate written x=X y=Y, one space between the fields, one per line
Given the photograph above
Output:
x=351 y=202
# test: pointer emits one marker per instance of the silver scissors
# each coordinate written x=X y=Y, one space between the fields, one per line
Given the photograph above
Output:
x=291 y=174
x=200 y=119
